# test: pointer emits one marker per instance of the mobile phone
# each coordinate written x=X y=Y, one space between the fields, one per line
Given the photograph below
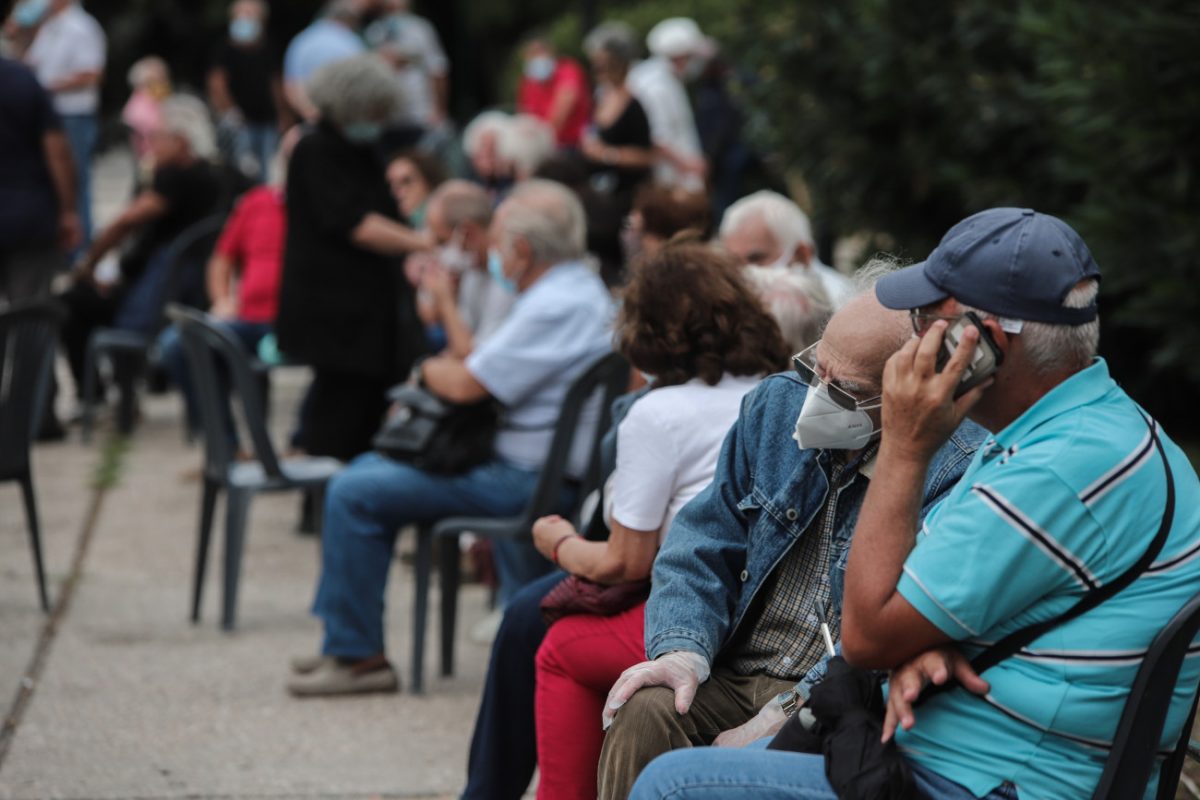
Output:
x=985 y=360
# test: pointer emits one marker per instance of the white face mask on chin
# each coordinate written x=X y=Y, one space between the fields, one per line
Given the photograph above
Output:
x=824 y=424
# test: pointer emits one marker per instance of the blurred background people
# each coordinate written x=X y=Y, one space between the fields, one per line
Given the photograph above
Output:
x=524 y=144
x=150 y=80
x=245 y=89
x=412 y=175
x=766 y=228
x=331 y=37
x=68 y=54
x=422 y=69
x=554 y=89
x=658 y=214
x=617 y=145
x=481 y=144
x=796 y=300
x=183 y=190
x=345 y=308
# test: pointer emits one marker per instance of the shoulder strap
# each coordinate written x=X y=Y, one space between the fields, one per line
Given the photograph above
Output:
x=1018 y=639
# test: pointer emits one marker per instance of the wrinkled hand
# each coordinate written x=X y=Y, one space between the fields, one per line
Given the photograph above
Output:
x=224 y=308
x=766 y=722
x=592 y=148
x=547 y=532
x=417 y=264
x=933 y=666
x=441 y=284
x=681 y=670
x=919 y=409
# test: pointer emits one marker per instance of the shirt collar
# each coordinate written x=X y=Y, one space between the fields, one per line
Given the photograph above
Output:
x=1081 y=389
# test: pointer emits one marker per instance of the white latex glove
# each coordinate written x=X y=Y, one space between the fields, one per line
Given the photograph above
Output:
x=681 y=670
x=766 y=722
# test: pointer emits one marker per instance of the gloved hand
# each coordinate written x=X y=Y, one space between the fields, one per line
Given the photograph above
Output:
x=766 y=722
x=680 y=670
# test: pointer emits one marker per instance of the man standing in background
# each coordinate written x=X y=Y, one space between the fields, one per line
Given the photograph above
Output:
x=68 y=56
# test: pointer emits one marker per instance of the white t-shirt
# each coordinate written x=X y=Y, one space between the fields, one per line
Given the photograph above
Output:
x=667 y=448
x=67 y=44
x=483 y=303
x=669 y=112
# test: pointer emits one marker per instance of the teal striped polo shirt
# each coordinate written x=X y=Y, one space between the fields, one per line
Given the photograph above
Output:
x=1063 y=500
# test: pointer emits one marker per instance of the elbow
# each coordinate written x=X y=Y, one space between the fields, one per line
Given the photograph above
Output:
x=862 y=649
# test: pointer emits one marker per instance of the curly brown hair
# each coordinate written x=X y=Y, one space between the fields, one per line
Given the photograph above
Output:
x=687 y=312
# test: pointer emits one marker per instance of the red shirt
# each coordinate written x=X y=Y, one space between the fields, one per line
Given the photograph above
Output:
x=537 y=98
x=253 y=240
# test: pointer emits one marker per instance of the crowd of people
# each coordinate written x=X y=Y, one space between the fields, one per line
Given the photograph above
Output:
x=904 y=464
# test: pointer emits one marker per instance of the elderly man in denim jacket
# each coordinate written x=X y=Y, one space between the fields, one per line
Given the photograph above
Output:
x=750 y=565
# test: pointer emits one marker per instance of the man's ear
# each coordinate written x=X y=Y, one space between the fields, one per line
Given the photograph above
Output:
x=998 y=335
x=802 y=254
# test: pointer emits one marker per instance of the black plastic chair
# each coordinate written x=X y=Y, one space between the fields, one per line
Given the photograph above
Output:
x=211 y=352
x=187 y=256
x=607 y=378
x=1135 y=746
x=28 y=336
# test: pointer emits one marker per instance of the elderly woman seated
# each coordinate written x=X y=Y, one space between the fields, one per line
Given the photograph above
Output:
x=184 y=189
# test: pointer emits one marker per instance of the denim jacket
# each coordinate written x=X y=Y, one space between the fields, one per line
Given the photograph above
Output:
x=765 y=493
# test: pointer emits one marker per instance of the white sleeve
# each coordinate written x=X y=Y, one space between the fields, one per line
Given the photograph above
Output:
x=88 y=54
x=644 y=479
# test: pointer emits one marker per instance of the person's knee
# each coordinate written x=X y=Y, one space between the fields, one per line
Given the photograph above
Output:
x=651 y=709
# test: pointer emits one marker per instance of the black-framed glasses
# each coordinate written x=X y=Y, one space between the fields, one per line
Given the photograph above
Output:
x=805 y=364
x=921 y=321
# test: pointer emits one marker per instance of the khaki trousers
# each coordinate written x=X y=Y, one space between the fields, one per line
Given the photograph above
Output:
x=648 y=725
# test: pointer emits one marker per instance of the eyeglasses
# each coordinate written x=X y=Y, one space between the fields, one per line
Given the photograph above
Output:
x=805 y=364
x=922 y=321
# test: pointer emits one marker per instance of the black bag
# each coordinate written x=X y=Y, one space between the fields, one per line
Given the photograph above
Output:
x=436 y=435
x=848 y=704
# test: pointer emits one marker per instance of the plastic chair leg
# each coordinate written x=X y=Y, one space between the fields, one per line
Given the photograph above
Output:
x=127 y=366
x=448 y=562
x=422 y=568
x=237 y=510
x=208 y=505
x=35 y=537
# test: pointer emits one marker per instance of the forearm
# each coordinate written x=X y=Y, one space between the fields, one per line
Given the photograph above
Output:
x=219 y=278
x=298 y=99
x=560 y=110
x=109 y=238
x=62 y=168
x=441 y=93
x=460 y=340
x=386 y=237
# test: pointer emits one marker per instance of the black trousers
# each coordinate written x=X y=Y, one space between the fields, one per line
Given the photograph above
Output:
x=342 y=413
x=87 y=309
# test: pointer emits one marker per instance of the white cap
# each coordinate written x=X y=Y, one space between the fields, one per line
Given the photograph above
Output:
x=677 y=36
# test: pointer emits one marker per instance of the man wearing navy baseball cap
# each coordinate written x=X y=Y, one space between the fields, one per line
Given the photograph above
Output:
x=1069 y=499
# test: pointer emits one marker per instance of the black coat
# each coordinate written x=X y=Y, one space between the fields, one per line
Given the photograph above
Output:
x=341 y=307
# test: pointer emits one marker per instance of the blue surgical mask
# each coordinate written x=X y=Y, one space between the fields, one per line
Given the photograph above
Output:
x=363 y=132
x=540 y=68
x=30 y=12
x=496 y=270
x=244 y=30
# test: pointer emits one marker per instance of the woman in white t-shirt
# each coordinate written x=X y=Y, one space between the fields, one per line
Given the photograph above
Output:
x=690 y=320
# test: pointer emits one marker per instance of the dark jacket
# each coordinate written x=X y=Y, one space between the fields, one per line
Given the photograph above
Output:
x=341 y=307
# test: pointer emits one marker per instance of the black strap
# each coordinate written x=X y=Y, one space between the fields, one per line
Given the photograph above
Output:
x=1015 y=641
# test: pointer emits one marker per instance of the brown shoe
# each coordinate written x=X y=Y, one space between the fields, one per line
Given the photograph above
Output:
x=333 y=678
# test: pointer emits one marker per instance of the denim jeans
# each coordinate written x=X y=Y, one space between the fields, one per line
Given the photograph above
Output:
x=170 y=355
x=81 y=131
x=254 y=145
x=755 y=772
x=365 y=506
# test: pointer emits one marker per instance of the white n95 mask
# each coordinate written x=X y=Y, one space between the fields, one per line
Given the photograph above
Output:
x=824 y=424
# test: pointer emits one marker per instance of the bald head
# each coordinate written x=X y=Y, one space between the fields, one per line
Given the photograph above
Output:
x=457 y=201
x=858 y=341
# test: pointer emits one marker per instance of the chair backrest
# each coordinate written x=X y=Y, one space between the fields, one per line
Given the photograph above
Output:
x=607 y=378
x=209 y=350
x=28 y=333
x=188 y=255
x=1136 y=744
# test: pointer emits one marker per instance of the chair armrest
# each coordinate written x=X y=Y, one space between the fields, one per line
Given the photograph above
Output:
x=485 y=527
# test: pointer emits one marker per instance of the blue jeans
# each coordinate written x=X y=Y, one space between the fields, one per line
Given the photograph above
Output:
x=702 y=773
x=504 y=744
x=81 y=131
x=170 y=355
x=365 y=506
x=254 y=146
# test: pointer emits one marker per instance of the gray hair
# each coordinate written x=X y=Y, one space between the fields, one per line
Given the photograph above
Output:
x=484 y=123
x=358 y=89
x=187 y=117
x=796 y=300
x=1053 y=348
x=616 y=39
x=462 y=201
x=786 y=221
x=344 y=10
x=549 y=217
x=525 y=142
x=146 y=69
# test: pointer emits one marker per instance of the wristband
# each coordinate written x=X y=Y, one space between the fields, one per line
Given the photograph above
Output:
x=558 y=544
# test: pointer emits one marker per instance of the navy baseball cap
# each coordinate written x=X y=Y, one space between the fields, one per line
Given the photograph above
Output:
x=1011 y=262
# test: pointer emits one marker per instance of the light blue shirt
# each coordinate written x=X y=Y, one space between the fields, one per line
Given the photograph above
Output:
x=321 y=43
x=1064 y=499
x=557 y=328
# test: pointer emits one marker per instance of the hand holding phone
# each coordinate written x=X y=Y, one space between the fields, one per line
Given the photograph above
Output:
x=986 y=359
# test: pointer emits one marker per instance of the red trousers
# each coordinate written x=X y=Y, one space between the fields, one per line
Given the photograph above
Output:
x=580 y=659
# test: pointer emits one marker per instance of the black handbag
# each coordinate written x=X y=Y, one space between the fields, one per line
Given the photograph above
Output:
x=436 y=435
x=847 y=708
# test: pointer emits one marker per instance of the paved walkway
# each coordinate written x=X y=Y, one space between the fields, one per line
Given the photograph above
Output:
x=116 y=695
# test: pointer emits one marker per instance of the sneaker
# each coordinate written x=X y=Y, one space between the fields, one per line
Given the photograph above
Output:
x=302 y=665
x=334 y=678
